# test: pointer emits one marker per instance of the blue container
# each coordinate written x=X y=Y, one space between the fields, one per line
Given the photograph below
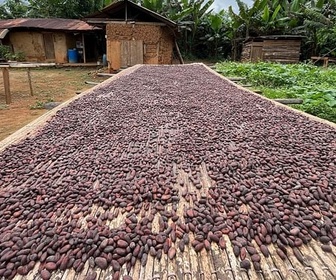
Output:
x=72 y=55
x=104 y=60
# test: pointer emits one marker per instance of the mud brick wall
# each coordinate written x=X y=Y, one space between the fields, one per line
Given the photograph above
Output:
x=158 y=40
x=246 y=53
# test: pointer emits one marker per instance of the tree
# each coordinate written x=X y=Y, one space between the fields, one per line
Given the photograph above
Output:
x=215 y=31
x=247 y=17
x=13 y=9
x=63 y=9
x=188 y=14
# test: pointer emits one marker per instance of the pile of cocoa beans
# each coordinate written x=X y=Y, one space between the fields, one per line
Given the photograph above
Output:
x=122 y=148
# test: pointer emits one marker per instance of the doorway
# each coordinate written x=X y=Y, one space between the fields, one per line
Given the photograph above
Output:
x=49 y=49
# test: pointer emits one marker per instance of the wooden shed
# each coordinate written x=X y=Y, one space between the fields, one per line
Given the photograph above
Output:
x=135 y=35
x=275 y=48
x=48 y=40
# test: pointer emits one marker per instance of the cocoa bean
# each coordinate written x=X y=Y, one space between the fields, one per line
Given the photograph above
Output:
x=264 y=250
x=281 y=254
x=115 y=265
x=327 y=248
x=91 y=276
x=101 y=262
x=51 y=266
x=245 y=264
x=45 y=274
x=171 y=253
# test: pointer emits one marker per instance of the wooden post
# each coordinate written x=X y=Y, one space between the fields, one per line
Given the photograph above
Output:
x=84 y=54
x=179 y=53
x=5 y=75
x=30 y=82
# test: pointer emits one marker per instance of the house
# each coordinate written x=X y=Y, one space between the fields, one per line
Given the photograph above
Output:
x=49 y=40
x=135 y=35
x=275 y=48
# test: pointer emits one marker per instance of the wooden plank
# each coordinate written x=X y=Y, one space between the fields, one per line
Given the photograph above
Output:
x=236 y=79
x=289 y=101
x=84 y=49
x=30 y=82
x=49 y=49
x=124 y=53
x=313 y=260
x=136 y=52
x=178 y=52
x=256 y=53
x=91 y=83
x=5 y=76
x=114 y=54
x=131 y=53
x=105 y=75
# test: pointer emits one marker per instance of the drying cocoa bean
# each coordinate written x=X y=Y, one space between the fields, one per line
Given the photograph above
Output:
x=45 y=274
x=245 y=264
x=101 y=262
x=91 y=276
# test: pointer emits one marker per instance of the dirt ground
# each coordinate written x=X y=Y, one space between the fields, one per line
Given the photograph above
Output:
x=49 y=84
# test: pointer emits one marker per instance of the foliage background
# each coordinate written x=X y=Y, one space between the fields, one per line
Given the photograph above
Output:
x=206 y=33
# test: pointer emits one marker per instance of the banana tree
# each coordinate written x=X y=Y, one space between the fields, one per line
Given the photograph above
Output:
x=188 y=14
x=214 y=28
x=247 y=16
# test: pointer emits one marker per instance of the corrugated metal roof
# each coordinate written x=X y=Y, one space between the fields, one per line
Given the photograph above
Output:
x=47 y=23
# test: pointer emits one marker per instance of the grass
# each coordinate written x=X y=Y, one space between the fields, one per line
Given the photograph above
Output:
x=315 y=85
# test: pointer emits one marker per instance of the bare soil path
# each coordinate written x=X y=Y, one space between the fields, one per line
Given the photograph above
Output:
x=49 y=84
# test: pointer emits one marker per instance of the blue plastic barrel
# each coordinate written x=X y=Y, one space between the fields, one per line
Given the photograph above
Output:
x=72 y=55
x=104 y=60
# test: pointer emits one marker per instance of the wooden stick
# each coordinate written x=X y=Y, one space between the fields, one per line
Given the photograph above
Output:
x=84 y=49
x=179 y=53
x=289 y=101
x=30 y=82
x=91 y=83
x=105 y=75
x=5 y=75
x=236 y=79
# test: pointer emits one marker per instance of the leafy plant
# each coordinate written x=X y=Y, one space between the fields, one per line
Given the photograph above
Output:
x=6 y=53
x=40 y=104
x=315 y=85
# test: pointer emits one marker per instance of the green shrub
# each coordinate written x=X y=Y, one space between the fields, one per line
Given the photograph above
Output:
x=6 y=53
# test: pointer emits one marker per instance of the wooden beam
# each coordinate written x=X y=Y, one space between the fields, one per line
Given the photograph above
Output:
x=105 y=75
x=91 y=83
x=289 y=101
x=30 y=82
x=236 y=79
x=179 y=53
x=84 y=54
x=5 y=76
x=97 y=21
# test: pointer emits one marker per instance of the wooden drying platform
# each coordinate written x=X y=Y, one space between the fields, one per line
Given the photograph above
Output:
x=213 y=264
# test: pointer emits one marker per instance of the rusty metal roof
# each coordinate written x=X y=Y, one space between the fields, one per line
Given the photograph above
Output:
x=47 y=24
x=127 y=10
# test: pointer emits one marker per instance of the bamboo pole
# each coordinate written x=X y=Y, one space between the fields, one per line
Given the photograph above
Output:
x=30 y=82
x=5 y=75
